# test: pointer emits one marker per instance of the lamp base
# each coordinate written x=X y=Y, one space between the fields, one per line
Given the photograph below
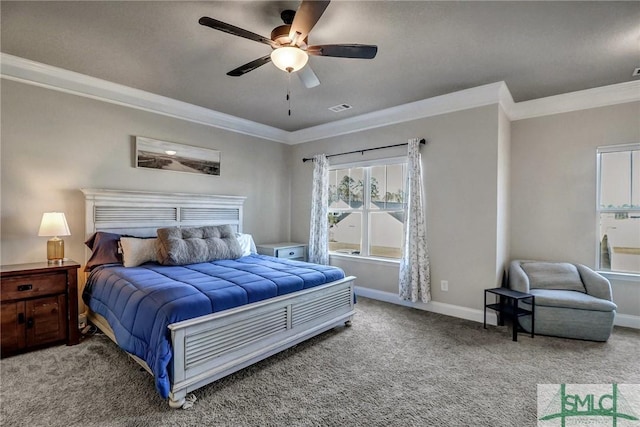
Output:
x=55 y=251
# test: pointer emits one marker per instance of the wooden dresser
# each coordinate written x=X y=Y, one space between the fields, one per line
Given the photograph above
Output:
x=38 y=306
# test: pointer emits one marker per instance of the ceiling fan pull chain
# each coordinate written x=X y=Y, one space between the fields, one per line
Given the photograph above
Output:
x=289 y=92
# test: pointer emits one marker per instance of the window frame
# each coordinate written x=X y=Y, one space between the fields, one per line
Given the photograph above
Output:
x=365 y=211
x=600 y=210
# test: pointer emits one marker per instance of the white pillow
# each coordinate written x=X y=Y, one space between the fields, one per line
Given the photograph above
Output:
x=246 y=243
x=137 y=251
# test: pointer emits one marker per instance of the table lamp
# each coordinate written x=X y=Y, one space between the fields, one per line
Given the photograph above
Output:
x=54 y=224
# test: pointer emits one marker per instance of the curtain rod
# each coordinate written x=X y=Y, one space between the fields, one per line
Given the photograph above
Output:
x=422 y=141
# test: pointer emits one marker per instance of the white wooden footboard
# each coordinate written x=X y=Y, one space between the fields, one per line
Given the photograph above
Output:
x=210 y=347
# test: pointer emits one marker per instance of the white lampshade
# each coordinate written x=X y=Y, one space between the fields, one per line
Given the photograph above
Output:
x=289 y=58
x=54 y=224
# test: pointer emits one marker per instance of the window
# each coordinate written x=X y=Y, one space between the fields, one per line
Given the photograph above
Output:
x=367 y=208
x=619 y=208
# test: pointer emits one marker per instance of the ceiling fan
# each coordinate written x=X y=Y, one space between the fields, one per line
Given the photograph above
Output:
x=290 y=43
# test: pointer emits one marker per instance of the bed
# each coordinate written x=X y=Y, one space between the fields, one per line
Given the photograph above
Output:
x=281 y=312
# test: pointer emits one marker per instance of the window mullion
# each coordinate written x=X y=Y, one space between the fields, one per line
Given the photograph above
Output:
x=631 y=178
x=366 y=199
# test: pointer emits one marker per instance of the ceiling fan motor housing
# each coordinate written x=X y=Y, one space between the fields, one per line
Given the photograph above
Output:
x=280 y=35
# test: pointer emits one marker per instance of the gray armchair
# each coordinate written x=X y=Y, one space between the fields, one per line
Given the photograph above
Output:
x=572 y=301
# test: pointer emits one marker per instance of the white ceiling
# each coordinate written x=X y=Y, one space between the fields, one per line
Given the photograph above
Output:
x=425 y=49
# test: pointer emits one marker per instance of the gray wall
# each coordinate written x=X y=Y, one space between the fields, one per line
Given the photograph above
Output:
x=553 y=186
x=460 y=166
x=54 y=143
x=495 y=190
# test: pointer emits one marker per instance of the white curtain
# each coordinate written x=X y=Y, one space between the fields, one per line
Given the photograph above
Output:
x=319 y=224
x=415 y=280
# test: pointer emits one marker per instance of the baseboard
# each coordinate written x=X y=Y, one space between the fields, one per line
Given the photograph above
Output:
x=432 y=306
x=626 y=320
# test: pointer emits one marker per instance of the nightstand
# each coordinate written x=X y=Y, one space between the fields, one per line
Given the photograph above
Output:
x=289 y=250
x=38 y=305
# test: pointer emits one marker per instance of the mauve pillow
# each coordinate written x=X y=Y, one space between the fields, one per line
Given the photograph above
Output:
x=104 y=248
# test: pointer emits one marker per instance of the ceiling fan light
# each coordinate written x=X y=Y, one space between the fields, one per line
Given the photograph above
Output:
x=289 y=58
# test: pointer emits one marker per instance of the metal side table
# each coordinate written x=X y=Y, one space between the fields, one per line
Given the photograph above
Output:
x=507 y=305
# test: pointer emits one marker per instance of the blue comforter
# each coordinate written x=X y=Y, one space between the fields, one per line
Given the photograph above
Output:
x=140 y=302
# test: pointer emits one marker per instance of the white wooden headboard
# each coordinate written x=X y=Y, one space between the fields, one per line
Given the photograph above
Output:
x=140 y=213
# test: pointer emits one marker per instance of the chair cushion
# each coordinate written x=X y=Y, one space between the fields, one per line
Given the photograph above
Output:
x=571 y=299
x=553 y=275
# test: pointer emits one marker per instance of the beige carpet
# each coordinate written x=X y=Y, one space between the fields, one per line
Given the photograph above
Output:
x=394 y=367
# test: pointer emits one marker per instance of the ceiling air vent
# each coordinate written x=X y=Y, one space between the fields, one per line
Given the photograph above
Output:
x=340 y=107
x=636 y=72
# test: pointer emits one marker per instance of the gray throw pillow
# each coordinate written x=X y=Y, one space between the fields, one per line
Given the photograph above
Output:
x=180 y=246
x=553 y=275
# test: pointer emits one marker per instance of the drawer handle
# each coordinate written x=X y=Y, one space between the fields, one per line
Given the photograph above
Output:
x=30 y=323
x=20 y=318
x=25 y=287
x=291 y=253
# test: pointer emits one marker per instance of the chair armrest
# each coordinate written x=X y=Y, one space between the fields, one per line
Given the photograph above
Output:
x=596 y=285
x=518 y=279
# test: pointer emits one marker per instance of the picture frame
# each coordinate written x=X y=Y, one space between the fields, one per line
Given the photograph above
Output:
x=164 y=155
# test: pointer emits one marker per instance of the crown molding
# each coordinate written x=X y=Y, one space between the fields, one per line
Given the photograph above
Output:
x=35 y=73
x=456 y=101
x=619 y=93
x=38 y=74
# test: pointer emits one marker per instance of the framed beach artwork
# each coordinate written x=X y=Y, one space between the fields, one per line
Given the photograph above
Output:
x=156 y=154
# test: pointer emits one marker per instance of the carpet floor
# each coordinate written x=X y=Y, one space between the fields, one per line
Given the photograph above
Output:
x=395 y=366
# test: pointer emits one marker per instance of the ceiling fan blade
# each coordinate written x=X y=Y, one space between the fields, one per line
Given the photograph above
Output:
x=236 y=31
x=308 y=77
x=308 y=13
x=361 y=51
x=244 y=69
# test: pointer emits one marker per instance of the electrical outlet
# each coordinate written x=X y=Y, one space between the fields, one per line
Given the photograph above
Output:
x=444 y=285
